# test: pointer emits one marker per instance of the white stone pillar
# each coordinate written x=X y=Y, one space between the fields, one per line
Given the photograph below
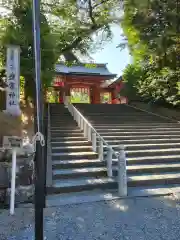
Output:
x=13 y=80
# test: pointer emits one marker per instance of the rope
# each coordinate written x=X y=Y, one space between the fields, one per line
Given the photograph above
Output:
x=38 y=137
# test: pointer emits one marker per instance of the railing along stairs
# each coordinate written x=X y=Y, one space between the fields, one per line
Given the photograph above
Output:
x=98 y=144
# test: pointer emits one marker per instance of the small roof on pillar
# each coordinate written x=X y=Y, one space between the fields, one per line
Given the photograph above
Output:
x=84 y=69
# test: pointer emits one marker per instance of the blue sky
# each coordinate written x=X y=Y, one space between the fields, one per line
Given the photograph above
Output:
x=116 y=59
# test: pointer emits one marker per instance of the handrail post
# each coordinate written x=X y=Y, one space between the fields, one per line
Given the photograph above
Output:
x=79 y=120
x=89 y=133
x=122 y=175
x=85 y=128
x=94 y=142
x=81 y=123
x=109 y=161
x=101 y=151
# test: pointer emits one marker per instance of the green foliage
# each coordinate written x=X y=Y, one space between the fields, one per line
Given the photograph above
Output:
x=79 y=97
x=64 y=29
x=153 y=37
x=131 y=77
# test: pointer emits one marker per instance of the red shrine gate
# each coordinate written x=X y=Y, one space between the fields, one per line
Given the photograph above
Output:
x=79 y=84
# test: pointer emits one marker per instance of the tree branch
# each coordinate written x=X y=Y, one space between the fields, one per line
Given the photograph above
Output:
x=98 y=4
x=91 y=12
x=72 y=45
x=79 y=39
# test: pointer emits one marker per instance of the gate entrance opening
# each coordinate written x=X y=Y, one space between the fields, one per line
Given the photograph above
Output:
x=80 y=95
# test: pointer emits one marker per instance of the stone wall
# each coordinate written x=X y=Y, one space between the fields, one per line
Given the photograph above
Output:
x=13 y=126
x=24 y=178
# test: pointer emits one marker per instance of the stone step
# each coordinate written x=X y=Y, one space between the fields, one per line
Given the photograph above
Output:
x=55 y=200
x=154 y=179
x=175 y=158
x=140 y=125
x=61 y=130
x=146 y=166
x=79 y=185
x=71 y=149
x=110 y=129
x=112 y=113
x=66 y=134
x=129 y=120
x=62 y=123
x=67 y=127
x=126 y=132
x=60 y=114
x=102 y=171
x=152 y=152
x=74 y=155
x=67 y=138
x=130 y=137
x=153 y=168
x=77 y=163
x=139 y=141
x=122 y=117
x=146 y=146
x=79 y=172
x=84 y=184
x=71 y=143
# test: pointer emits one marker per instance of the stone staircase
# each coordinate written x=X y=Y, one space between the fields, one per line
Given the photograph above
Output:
x=152 y=149
x=75 y=167
x=152 y=143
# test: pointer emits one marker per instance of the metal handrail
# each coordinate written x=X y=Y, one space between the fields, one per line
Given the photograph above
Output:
x=91 y=132
x=93 y=129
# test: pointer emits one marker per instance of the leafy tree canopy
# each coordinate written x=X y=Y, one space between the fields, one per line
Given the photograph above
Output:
x=64 y=29
x=152 y=31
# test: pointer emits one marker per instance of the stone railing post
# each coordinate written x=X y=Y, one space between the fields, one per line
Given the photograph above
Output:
x=122 y=175
x=85 y=129
x=81 y=124
x=94 y=142
x=109 y=161
x=89 y=133
x=101 y=150
x=79 y=120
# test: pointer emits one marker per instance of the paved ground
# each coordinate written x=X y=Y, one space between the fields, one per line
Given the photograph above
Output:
x=133 y=219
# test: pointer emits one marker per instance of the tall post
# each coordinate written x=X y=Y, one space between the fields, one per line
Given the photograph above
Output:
x=122 y=174
x=109 y=161
x=101 y=150
x=89 y=133
x=94 y=142
x=39 y=162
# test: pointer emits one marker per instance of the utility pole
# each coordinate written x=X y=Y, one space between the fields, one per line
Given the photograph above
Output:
x=39 y=161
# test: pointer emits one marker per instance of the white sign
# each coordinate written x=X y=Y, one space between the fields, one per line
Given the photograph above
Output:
x=11 y=142
x=13 y=80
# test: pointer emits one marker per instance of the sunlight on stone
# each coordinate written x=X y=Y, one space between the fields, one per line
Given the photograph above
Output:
x=123 y=207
